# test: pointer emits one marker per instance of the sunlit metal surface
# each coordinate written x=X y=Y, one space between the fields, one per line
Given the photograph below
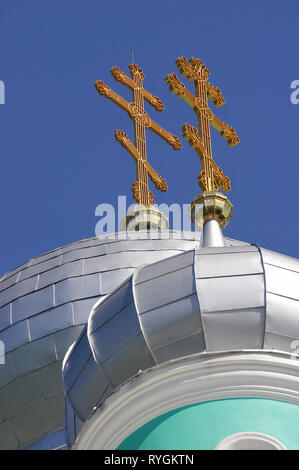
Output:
x=205 y=299
x=44 y=305
x=282 y=294
x=129 y=305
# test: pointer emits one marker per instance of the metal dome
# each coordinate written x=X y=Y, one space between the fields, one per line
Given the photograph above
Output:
x=44 y=305
x=231 y=298
x=206 y=299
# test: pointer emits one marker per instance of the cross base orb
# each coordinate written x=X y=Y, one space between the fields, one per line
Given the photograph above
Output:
x=211 y=205
x=141 y=217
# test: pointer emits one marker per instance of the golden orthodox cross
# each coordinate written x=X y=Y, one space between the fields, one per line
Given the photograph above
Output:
x=211 y=177
x=137 y=113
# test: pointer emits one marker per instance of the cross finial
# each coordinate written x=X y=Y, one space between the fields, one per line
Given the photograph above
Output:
x=210 y=204
x=211 y=177
x=141 y=119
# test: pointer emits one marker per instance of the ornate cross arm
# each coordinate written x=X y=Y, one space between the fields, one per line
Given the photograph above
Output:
x=214 y=94
x=177 y=87
x=193 y=70
x=190 y=134
x=211 y=178
x=127 y=81
x=171 y=139
x=158 y=181
x=219 y=181
x=106 y=91
x=227 y=132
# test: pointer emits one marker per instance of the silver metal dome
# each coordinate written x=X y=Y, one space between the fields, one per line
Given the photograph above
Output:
x=44 y=305
x=156 y=299
x=230 y=298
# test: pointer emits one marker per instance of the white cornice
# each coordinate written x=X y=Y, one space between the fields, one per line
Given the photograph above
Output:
x=196 y=379
x=250 y=441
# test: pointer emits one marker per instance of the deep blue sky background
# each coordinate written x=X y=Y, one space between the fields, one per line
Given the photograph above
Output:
x=59 y=158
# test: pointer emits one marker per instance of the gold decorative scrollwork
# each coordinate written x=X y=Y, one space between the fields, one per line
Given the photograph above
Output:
x=175 y=86
x=151 y=198
x=174 y=141
x=136 y=191
x=139 y=114
x=119 y=75
x=134 y=68
x=229 y=134
x=141 y=120
x=215 y=95
x=156 y=102
x=103 y=89
x=202 y=180
x=122 y=138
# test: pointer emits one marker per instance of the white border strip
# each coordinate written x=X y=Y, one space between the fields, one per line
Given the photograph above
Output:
x=185 y=382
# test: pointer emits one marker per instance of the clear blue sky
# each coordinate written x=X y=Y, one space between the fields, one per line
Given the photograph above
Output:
x=59 y=158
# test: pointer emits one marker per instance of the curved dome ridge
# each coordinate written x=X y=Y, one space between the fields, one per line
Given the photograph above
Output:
x=136 y=290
